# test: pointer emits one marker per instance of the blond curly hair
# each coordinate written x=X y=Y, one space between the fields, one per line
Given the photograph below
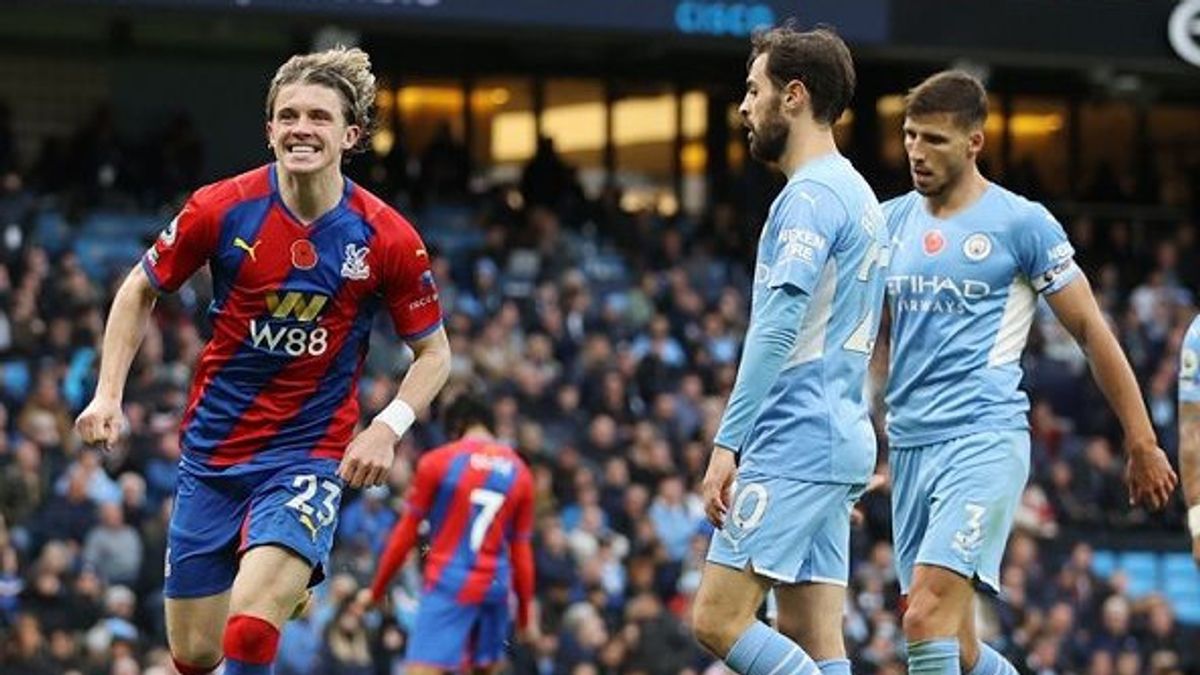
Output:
x=346 y=70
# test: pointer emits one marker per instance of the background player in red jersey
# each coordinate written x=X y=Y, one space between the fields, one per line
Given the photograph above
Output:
x=301 y=260
x=477 y=495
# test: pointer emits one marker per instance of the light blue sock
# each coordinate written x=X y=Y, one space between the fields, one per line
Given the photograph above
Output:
x=762 y=651
x=991 y=663
x=834 y=666
x=933 y=657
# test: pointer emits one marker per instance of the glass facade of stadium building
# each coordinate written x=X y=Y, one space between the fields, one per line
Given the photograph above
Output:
x=650 y=108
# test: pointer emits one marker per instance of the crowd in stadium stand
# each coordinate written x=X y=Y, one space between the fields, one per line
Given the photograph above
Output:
x=611 y=384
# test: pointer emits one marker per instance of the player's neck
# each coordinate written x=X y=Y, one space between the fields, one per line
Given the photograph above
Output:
x=477 y=433
x=310 y=196
x=804 y=145
x=959 y=197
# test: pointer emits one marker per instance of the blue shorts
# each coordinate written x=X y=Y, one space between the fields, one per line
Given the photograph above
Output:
x=216 y=519
x=447 y=633
x=953 y=503
x=786 y=530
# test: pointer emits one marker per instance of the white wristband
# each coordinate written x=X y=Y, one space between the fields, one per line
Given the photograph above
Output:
x=398 y=416
x=1193 y=520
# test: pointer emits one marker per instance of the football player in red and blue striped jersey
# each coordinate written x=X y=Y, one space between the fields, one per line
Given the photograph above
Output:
x=301 y=260
x=477 y=495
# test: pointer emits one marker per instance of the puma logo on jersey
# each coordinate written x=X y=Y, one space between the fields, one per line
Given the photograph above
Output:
x=308 y=522
x=238 y=242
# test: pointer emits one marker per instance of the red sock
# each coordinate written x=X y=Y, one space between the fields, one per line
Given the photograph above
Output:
x=250 y=640
x=189 y=669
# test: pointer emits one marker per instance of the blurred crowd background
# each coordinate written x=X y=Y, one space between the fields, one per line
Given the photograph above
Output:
x=607 y=340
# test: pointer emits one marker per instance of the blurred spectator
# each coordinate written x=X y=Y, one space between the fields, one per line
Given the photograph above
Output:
x=366 y=521
x=346 y=648
x=546 y=179
x=113 y=548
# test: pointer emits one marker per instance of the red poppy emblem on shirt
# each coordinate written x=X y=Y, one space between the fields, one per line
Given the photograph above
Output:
x=934 y=242
x=304 y=254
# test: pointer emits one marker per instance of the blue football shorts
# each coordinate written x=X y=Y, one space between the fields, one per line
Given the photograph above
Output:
x=448 y=634
x=216 y=519
x=789 y=531
x=953 y=503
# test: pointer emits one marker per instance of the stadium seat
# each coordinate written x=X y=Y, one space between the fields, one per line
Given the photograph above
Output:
x=121 y=225
x=1143 y=571
x=51 y=232
x=1178 y=563
x=1187 y=607
x=101 y=257
x=1180 y=576
x=1104 y=563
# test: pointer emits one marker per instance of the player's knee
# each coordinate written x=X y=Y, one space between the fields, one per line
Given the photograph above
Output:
x=278 y=599
x=197 y=647
x=196 y=658
x=921 y=619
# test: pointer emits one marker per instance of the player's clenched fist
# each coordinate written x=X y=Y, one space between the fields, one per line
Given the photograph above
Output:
x=369 y=458
x=718 y=483
x=100 y=423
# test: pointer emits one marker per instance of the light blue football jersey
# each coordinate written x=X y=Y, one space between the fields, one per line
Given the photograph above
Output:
x=824 y=235
x=962 y=293
x=1189 y=364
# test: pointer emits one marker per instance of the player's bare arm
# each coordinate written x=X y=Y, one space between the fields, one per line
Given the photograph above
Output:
x=1189 y=464
x=877 y=378
x=429 y=370
x=369 y=458
x=1148 y=472
x=100 y=422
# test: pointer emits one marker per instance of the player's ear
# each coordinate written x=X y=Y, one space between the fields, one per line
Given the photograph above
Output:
x=975 y=141
x=350 y=139
x=268 y=125
x=795 y=96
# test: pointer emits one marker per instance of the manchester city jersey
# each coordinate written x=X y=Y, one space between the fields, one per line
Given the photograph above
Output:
x=825 y=236
x=962 y=293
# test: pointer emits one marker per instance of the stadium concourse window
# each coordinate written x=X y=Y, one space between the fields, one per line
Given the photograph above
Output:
x=432 y=130
x=693 y=159
x=1175 y=148
x=383 y=140
x=427 y=108
x=1038 y=153
x=655 y=134
x=573 y=116
x=1107 y=151
x=736 y=151
x=503 y=127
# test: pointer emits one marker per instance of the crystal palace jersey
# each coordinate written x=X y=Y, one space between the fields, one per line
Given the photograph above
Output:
x=478 y=498
x=291 y=314
x=962 y=292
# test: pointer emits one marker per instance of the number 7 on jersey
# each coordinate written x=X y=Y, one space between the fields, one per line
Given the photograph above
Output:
x=489 y=503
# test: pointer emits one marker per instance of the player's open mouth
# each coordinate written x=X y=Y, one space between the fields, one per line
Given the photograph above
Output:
x=302 y=149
